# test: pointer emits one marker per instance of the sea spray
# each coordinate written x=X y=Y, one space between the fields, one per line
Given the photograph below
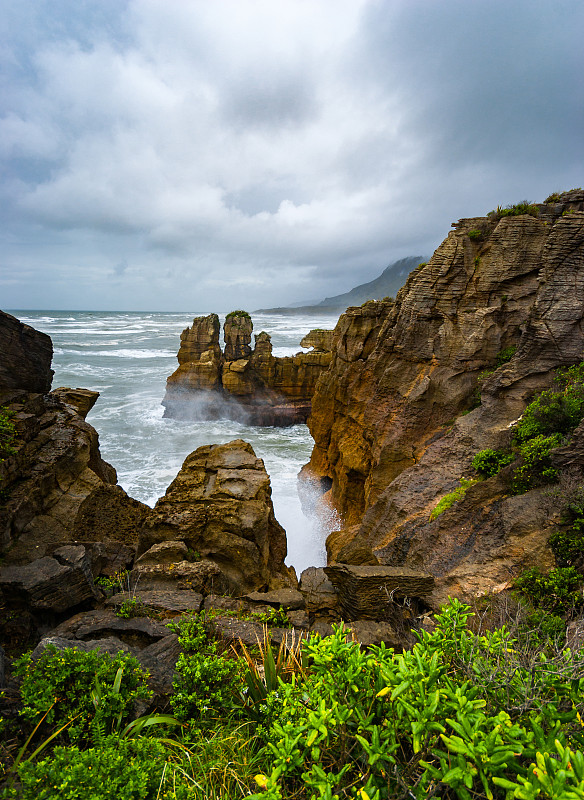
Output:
x=127 y=357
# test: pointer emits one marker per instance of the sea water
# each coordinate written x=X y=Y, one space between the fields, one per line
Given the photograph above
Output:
x=127 y=357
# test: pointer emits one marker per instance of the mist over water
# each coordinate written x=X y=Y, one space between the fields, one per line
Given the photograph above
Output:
x=127 y=358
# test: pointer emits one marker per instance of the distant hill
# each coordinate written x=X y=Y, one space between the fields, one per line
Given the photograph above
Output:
x=387 y=284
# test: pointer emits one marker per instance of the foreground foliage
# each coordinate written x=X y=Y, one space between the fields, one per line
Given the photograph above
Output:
x=464 y=714
x=458 y=716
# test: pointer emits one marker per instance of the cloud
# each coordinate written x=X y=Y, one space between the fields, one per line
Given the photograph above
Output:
x=252 y=152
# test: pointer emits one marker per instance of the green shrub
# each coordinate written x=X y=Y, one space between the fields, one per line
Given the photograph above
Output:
x=506 y=354
x=64 y=683
x=132 y=607
x=204 y=685
x=516 y=210
x=552 y=198
x=489 y=462
x=556 y=410
x=452 y=497
x=275 y=617
x=475 y=235
x=560 y=591
x=568 y=544
x=535 y=467
x=120 y=769
x=238 y=313
x=7 y=433
x=444 y=719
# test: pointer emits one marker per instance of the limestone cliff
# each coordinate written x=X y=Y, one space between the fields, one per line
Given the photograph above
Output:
x=240 y=383
x=394 y=418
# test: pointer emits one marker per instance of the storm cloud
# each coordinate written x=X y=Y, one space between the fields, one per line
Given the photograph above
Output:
x=198 y=156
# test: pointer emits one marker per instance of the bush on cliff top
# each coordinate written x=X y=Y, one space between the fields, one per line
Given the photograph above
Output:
x=237 y=314
x=517 y=210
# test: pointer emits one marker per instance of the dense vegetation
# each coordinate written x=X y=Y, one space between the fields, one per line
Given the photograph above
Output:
x=465 y=714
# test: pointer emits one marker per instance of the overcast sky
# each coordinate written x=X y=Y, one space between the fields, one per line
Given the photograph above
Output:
x=200 y=155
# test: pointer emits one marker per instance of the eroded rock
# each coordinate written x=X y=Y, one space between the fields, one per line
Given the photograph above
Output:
x=220 y=506
x=252 y=386
x=395 y=418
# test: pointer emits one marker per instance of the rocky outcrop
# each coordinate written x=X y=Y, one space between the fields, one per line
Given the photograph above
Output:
x=26 y=358
x=219 y=506
x=63 y=521
x=58 y=488
x=368 y=592
x=253 y=386
x=395 y=418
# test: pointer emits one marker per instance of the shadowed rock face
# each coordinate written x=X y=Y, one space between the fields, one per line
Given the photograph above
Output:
x=26 y=356
x=220 y=506
x=253 y=386
x=388 y=417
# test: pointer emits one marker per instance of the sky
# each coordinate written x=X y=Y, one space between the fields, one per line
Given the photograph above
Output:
x=198 y=155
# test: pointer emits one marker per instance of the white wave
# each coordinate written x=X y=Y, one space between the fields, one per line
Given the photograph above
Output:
x=123 y=353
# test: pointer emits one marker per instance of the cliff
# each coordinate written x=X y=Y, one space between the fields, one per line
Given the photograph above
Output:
x=253 y=386
x=395 y=418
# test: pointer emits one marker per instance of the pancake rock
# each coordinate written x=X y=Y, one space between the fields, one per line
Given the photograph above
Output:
x=240 y=383
x=219 y=506
x=396 y=418
x=63 y=520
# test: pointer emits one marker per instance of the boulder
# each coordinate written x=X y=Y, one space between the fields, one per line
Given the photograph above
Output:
x=26 y=358
x=220 y=506
x=368 y=592
x=319 y=339
x=167 y=602
x=50 y=584
x=320 y=596
x=82 y=400
x=279 y=598
x=203 y=576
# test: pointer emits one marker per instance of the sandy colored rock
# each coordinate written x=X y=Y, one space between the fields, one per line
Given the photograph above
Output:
x=82 y=400
x=318 y=339
x=164 y=553
x=393 y=417
x=220 y=506
x=237 y=334
x=251 y=386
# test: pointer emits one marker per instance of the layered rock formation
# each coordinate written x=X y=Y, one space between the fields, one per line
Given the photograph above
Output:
x=240 y=383
x=219 y=506
x=394 y=418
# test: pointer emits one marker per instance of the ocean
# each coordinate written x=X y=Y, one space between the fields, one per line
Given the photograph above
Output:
x=127 y=356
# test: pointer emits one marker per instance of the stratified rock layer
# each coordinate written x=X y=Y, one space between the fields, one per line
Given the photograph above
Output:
x=220 y=507
x=388 y=419
x=253 y=386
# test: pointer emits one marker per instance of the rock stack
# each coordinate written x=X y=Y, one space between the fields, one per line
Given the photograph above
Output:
x=253 y=386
